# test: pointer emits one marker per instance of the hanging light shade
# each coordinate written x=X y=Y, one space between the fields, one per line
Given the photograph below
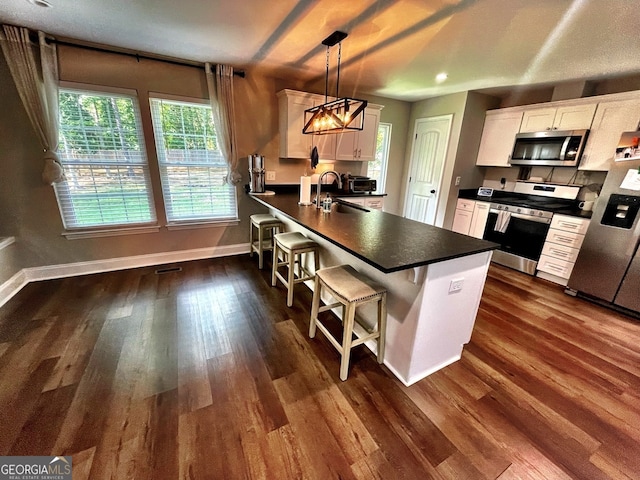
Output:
x=337 y=115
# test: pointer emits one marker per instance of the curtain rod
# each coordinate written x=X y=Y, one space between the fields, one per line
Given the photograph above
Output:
x=137 y=56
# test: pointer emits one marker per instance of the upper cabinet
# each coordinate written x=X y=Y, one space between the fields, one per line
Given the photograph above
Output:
x=291 y=107
x=611 y=119
x=354 y=145
x=569 y=117
x=500 y=128
x=605 y=116
x=360 y=144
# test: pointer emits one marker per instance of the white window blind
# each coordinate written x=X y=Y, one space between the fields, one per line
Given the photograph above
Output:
x=192 y=168
x=105 y=162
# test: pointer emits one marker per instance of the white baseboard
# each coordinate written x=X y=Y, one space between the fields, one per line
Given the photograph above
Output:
x=6 y=241
x=48 y=272
x=12 y=286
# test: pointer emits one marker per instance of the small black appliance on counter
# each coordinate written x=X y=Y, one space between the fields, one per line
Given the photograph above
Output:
x=358 y=184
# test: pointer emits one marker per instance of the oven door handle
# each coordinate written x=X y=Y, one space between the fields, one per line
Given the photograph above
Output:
x=528 y=218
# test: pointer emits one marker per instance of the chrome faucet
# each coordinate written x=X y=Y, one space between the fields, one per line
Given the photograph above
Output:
x=322 y=175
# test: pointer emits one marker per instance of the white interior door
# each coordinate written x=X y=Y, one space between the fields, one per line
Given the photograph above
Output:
x=428 y=153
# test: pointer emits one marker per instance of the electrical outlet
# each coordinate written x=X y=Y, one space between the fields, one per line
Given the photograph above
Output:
x=271 y=175
x=456 y=285
x=458 y=180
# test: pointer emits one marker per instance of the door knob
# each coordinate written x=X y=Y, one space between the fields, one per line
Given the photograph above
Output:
x=433 y=191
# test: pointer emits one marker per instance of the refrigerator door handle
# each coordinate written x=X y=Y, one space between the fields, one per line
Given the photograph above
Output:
x=635 y=240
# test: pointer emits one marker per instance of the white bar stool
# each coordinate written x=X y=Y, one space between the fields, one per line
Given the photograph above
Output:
x=292 y=245
x=263 y=222
x=351 y=289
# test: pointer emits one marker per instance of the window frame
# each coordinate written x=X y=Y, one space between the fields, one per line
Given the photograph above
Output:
x=110 y=229
x=384 y=161
x=184 y=223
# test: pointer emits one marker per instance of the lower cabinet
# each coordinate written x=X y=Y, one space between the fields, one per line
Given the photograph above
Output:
x=479 y=219
x=561 y=248
x=471 y=217
x=375 y=203
x=463 y=217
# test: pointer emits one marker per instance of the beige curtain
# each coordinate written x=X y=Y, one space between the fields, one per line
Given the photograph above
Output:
x=220 y=87
x=38 y=89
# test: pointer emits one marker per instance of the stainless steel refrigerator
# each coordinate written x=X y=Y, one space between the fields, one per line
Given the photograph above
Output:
x=608 y=265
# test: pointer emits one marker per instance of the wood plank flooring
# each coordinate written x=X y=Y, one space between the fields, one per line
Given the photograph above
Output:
x=204 y=373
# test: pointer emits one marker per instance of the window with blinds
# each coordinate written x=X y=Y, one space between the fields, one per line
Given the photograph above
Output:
x=377 y=169
x=192 y=168
x=105 y=162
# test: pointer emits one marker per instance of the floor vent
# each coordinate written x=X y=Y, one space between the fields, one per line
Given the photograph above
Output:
x=168 y=270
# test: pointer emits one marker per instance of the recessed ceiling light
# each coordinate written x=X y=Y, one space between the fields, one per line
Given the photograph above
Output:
x=441 y=77
x=41 y=3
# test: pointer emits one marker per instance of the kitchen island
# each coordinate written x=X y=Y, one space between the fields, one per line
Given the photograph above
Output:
x=434 y=277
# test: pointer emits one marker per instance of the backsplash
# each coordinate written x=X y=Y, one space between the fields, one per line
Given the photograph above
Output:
x=560 y=175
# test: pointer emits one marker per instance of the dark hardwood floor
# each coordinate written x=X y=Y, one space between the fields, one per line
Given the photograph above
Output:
x=205 y=373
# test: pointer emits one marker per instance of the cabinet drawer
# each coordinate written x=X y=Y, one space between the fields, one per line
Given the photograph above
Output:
x=568 y=239
x=560 y=252
x=570 y=224
x=462 y=221
x=554 y=266
x=375 y=203
x=467 y=205
x=354 y=200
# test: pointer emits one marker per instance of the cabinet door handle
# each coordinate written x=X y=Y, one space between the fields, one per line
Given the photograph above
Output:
x=569 y=225
x=564 y=239
x=555 y=267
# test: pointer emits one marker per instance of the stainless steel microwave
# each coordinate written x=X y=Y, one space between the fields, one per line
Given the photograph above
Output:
x=554 y=148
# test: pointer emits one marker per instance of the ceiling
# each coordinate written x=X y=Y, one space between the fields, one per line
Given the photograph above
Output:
x=395 y=48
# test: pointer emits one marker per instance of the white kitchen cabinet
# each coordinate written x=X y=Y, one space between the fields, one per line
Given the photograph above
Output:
x=375 y=203
x=463 y=216
x=291 y=107
x=561 y=248
x=479 y=219
x=611 y=119
x=355 y=145
x=360 y=145
x=498 y=134
x=567 y=117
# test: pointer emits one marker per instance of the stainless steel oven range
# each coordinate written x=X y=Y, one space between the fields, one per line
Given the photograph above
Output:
x=519 y=222
x=520 y=232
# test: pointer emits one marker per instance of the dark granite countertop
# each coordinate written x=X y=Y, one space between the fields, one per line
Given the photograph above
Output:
x=385 y=241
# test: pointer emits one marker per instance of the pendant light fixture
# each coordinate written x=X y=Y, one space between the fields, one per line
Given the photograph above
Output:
x=342 y=114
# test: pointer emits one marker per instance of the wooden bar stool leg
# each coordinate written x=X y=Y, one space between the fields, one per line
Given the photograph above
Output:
x=382 y=326
x=260 y=245
x=251 y=240
x=315 y=306
x=347 y=340
x=291 y=277
x=274 y=263
x=316 y=264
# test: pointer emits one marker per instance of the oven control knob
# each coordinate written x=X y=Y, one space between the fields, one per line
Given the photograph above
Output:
x=519 y=210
